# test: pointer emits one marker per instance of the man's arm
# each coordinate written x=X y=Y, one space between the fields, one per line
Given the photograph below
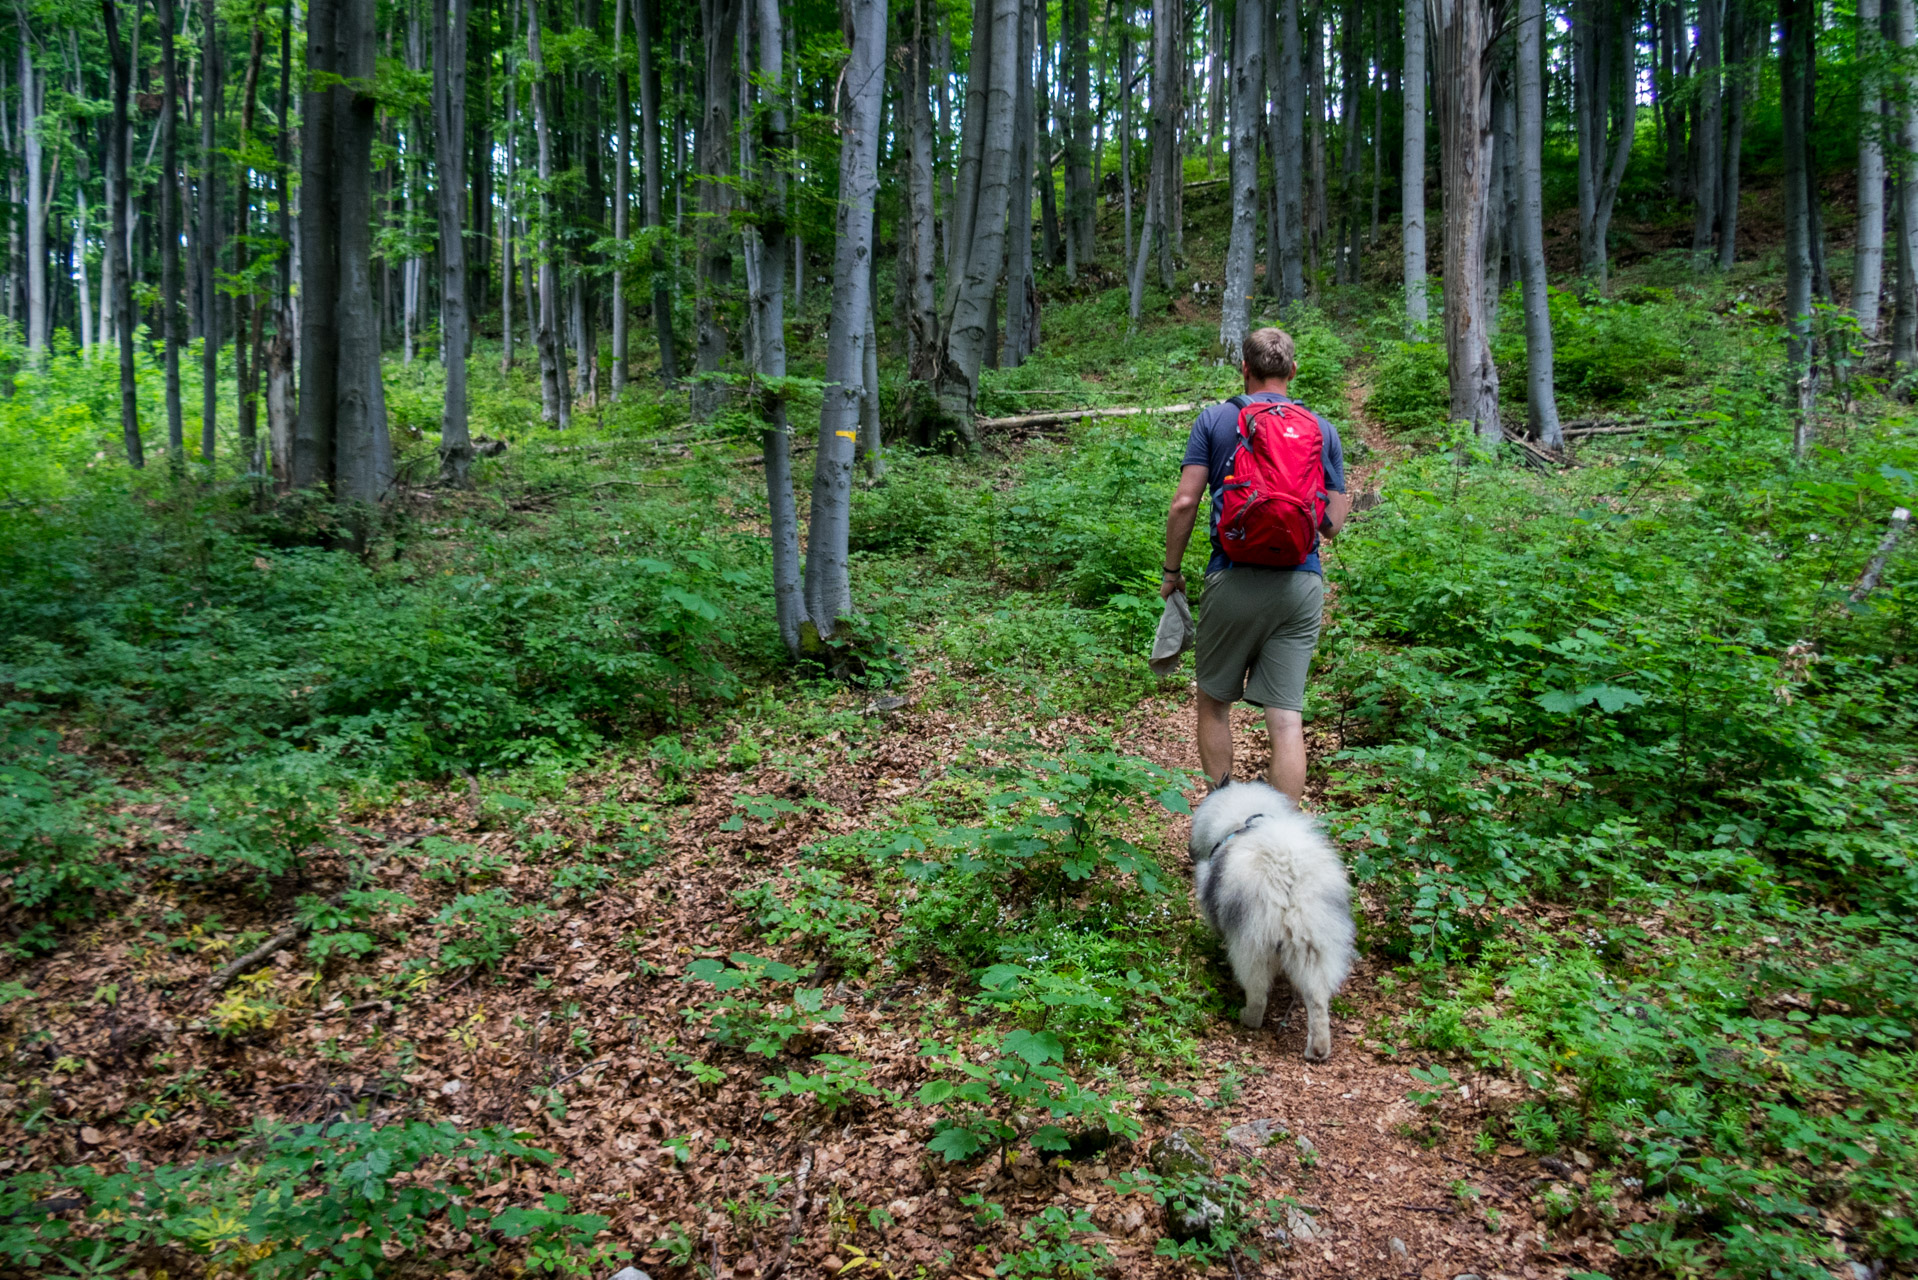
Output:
x=1178 y=526
x=1338 y=505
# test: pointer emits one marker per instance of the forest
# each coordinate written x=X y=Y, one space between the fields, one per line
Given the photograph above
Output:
x=575 y=586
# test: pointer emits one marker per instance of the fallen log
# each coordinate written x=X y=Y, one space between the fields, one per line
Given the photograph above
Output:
x=292 y=932
x=1056 y=416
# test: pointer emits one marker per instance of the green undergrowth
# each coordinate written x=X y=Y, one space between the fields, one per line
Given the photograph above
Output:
x=1625 y=775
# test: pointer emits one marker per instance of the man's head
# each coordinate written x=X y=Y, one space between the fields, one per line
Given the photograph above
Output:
x=1269 y=362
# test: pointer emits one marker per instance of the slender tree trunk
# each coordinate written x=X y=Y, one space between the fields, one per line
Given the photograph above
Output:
x=32 y=98
x=209 y=232
x=1801 y=363
x=1461 y=29
x=1498 y=154
x=1904 y=336
x=1612 y=97
x=649 y=159
x=1541 y=403
x=167 y=191
x=508 y=265
x=1038 y=133
x=984 y=191
x=1739 y=43
x=556 y=405
x=1289 y=117
x=1247 y=80
x=1705 y=181
x=920 y=234
x=1867 y=280
x=828 y=583
x=1019 y=285
x=116 y=268
x=622 y=199
x=1081 y=182
x=1125 y=125
x=719 y=20
x=246 y=327
x=943 y=78
x=449 y=132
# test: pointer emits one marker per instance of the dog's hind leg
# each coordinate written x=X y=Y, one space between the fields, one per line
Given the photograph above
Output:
x=1254 y=967
x=1311 y=977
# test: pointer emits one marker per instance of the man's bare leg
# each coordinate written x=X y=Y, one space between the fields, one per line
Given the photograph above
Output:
x=1287 y=731
x=1215 y=737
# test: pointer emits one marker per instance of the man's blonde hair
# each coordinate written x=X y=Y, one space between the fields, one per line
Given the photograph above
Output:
x=1269 y=354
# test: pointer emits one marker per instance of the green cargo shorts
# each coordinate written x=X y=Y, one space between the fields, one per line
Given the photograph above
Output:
x=1257 y=630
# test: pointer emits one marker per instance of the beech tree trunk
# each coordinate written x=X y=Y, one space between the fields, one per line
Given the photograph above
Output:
x=1739 y=43
x=555 y=392
x=1288 y=150
x=208 y=230
x=719 y=20
x=449 y=137
x=1039 y=137
x=984 y=189
x=1162 y=132
x=1247 y=80
x=1019 y=285
x=1461 y=29
x=1605 y=77
x=1541 y=403
x=1868 y=259
x=1904 y=340
x=828 y=584
x=341 y=438
x=920 y=233
x=167 y=191
x=622 y=194
x=1705 y=180
x=1082 y=200
x=117 y=268
x=1794 y=68
x=655 y=218
x=33 y=92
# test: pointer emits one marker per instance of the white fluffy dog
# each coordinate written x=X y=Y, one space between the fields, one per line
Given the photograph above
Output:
x=1275 y=890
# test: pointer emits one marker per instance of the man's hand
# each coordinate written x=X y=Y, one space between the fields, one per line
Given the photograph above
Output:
x=1170 y=582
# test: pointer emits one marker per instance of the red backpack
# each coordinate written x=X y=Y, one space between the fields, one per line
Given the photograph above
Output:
x=1271 y=503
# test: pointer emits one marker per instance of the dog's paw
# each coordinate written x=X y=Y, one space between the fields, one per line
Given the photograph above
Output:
x=1319 y=1052
x=1252 y=1020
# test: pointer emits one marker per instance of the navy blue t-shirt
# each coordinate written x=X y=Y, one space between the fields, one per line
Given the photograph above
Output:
x=1214 y=443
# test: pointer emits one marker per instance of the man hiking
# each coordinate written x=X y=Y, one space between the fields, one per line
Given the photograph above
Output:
x=1277 y=475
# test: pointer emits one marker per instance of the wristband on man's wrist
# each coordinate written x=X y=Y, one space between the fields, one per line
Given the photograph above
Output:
x=1173 y=573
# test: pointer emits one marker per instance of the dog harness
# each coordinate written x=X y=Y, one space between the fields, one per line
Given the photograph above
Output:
x=1236 y=832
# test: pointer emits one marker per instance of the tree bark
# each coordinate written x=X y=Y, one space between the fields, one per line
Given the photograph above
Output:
x=1705 y=180
x=556 y=401
x=1801 y=363
x=719 y=21
x=1868 y=259
x=1541 y=402
x=1288 y=122
x=1025 y=107
x=32 y=100
x=828 y=584
x=117 y=268
x=1082 y=204
x=1462 y=29
x=984 y=189
x=208 y=229
x=1608 y=121
x=1162 y=128
x=622 y=196
x=1247 y=81
x=1038 y=134
x=1739 y=43
x=167 y=191
x=1904 y=342
x=449 y=135
x=649 y=158
x=920 y=233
